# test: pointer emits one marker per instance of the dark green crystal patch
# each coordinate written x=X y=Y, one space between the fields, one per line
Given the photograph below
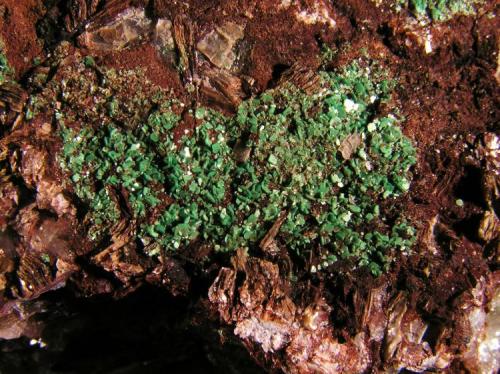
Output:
x=321 y=162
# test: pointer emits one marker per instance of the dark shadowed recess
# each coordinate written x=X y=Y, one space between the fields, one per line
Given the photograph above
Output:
x=145 y=332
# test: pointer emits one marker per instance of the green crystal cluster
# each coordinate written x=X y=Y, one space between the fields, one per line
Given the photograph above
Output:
x=199 y=170
x=442 y=10
x=324 y=160
x=110 y=158
x=5 y=70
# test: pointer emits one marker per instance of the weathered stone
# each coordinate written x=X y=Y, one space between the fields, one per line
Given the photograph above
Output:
x=478 y=316
x=184 y=41
x=349 y=145
x=489 y=227
x=12 y=97
x=163 y=34
x=266 y=317
x=221 y=88
x=311 y=13
x=9 y=200
x=79 y=11
x=405 y=346
x=128 y=27
x=218 y=45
